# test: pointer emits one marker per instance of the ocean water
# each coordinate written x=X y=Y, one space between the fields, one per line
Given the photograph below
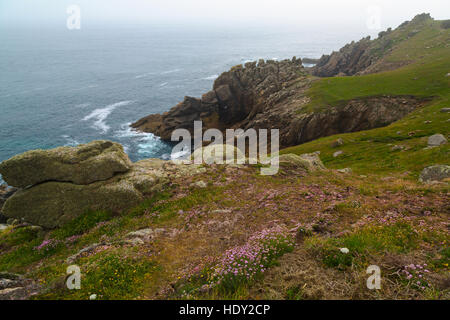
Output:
x=63 y=88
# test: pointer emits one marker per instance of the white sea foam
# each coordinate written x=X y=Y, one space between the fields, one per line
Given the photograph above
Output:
x=171 y=71
x=163 y=84
x=70 y=141
x=180 y=155
x=144 y=75
x=145 y=142
x=99 y=115
x=213 y=77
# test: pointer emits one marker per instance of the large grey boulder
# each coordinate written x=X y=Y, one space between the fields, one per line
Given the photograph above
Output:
x=436 y=140
x=310 y=162
x=82 y=165
x=435 y=173
x=52 y=204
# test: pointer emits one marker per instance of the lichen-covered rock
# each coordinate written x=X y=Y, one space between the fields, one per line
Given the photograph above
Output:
x=218 y=154
x=309 y=162
x=436 y=140
x=52 y=204
x=435 y=173
x=84 y=164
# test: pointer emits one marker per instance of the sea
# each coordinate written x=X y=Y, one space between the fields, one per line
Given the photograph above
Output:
x=61 y=87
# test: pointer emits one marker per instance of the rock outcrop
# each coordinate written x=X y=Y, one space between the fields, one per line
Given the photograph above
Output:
x=237 y=95
x=51 y=202
x=218 y=153
x=436 y=140
x=367 y=56
x=96 y=161
x=309 y=162
x=272 y=95
x=351 y=59
x=435 y=174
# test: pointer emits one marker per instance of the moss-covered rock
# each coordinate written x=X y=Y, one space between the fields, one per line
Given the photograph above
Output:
x=309 y=162
x=52 y=204
x=96 y=161
x=435 y=173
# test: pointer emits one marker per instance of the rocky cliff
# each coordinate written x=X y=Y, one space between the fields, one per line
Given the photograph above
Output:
x=273 y=95
x=59 y=185
x=237 y=95
x=366 y=56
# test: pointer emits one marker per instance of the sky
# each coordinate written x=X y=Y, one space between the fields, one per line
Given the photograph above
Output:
x=311 y=13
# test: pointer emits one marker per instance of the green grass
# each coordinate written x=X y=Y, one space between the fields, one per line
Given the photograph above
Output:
x=110 y=277
x=397 y=238
x=81 y=224
x=426 y=77
x=370 y=151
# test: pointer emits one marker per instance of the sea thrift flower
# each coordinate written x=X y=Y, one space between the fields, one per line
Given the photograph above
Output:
x=244 y=263
x=47 y=245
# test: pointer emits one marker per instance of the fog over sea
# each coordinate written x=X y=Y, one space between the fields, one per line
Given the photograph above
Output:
x=63 y=88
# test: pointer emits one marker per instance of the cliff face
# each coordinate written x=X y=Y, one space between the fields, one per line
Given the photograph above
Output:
x=351 y=59
x=238 y=94
x=273 y=95
x=367 y=56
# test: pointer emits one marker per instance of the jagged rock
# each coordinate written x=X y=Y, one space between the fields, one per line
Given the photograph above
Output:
x=236 y=94
x=271 y=95
x=145 y=235
x=83 y=251
x=366 y=55
x=84 y=164
x=135 y=241
x=352 y=58
x=20 y=293
x=52 y=204
x=8 y=283
x=435 y=174
x=309 y=162
x=436 y=140
x=338 y=153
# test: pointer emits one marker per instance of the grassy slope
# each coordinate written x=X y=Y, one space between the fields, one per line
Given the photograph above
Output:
x=326 y=201
x=369 y=151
